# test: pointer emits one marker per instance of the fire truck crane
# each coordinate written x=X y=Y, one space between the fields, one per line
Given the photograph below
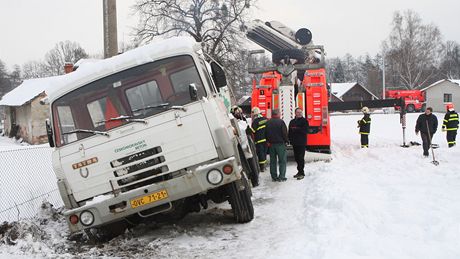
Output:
x=297 y=79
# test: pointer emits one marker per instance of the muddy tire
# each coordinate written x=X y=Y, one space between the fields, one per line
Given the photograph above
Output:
x=239 y=197
x=282 y=54
x=107 y=232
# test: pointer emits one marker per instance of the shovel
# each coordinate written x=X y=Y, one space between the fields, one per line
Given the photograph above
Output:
x=434 y=162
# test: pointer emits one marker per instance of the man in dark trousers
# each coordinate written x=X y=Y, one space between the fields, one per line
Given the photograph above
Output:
x=450 y=124
x=259 y=124
x=277 y=137
x=364 y=126
x=298 y=129
x=427 y=124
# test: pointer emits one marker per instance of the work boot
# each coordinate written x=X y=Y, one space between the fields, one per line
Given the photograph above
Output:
x=297 y=175
x=262 y=167
x=300 y=177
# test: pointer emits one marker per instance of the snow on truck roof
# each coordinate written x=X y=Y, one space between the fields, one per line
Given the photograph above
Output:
x=91 y=70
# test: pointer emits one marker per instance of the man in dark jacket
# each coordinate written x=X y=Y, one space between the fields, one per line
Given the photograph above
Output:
x=277 y=138
x=427 y=124
x=364 y=126
x=450 y=124
x=298 y=129
x=258 y=127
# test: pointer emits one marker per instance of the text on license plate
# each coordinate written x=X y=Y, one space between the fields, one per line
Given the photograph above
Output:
x=149 y=198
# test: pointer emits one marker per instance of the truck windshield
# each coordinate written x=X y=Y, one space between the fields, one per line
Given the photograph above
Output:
x=125 y=97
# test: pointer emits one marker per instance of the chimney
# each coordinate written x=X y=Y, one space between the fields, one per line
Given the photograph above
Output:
x=68 y=67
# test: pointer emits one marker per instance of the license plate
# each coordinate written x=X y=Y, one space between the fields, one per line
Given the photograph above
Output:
x=149 y=198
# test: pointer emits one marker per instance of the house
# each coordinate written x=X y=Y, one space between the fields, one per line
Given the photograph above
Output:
x=23 y=114
x=350 y=92
x=442 y=92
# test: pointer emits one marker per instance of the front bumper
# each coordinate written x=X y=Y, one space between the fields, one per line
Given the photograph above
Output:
x=192 y=183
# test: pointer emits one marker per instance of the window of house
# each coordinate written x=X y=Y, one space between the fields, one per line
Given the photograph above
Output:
x=447 y=98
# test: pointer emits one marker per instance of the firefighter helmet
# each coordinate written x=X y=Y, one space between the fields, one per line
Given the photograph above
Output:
x=450 y=106
x=365 y=110
x=255 y=110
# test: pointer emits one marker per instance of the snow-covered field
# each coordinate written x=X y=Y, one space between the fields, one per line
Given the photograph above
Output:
x=381 y=202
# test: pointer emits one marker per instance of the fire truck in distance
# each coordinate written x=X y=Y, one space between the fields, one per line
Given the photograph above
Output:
x=297 y=79
x=414 y=99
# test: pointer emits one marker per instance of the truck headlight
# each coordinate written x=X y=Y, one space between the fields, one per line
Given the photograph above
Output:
x=86 y=218
x=214 y=176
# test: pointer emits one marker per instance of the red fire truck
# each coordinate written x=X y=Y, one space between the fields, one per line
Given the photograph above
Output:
x=297 y=79
x=414 y=99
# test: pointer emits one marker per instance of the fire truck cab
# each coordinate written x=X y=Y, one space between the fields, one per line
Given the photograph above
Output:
x=414 y=99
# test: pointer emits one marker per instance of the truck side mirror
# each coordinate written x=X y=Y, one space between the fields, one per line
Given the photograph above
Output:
x=49 y=132
x=218 y=75
x=193 y=92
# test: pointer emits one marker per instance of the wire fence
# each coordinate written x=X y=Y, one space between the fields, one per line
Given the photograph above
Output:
x=26 y=181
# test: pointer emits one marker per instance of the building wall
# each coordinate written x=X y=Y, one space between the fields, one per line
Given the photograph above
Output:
x=356 y=93
x=435 y=95
x=31 y=120
x=24 y=120
x=39 y=115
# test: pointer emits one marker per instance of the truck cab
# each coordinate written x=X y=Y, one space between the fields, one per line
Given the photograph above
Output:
x=145 y=133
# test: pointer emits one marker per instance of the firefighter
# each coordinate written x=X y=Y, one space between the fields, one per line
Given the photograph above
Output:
x=450 y=124
x=237 y=112
x=427 y=124
x=258 y=126
x=364 y=126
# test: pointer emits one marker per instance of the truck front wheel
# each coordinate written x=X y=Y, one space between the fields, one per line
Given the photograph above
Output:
x=239 y=196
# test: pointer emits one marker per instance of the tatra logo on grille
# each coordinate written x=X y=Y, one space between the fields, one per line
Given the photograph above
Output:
x=85 y=163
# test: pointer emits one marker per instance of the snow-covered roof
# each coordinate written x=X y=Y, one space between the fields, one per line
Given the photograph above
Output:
x=98 y=69
x=28 y=90
x=455 y=81
x=339 y=89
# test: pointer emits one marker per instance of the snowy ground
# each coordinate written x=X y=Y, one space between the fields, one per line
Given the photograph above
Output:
x=381 y=202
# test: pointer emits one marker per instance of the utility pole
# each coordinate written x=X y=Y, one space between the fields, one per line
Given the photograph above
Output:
x=383 y=75
x=110 y=28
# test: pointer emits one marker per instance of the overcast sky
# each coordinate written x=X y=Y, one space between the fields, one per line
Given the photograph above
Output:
x=30 y=28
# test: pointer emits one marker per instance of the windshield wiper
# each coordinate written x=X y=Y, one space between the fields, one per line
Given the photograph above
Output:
x=162 y=105
x=95 y=132
x=124 y=117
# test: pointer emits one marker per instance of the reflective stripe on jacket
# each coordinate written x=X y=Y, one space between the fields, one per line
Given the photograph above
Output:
x=450 y=121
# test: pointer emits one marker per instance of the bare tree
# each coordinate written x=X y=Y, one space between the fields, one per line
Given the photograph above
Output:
x=35 y=69
x=217 y=24
x=63 y=52
x=450 y=67
x=414 y=49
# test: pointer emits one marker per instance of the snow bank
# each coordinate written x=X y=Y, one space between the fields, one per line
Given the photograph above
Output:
x=381 y=202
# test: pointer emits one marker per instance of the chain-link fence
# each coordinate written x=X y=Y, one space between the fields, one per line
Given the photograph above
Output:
x=26 y=180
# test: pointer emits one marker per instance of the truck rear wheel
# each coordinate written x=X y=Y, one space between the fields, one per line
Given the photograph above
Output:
x=254 y=164
x=249 y=167
x=239 y=197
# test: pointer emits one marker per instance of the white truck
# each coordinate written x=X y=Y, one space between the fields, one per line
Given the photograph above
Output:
x=145 y=134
